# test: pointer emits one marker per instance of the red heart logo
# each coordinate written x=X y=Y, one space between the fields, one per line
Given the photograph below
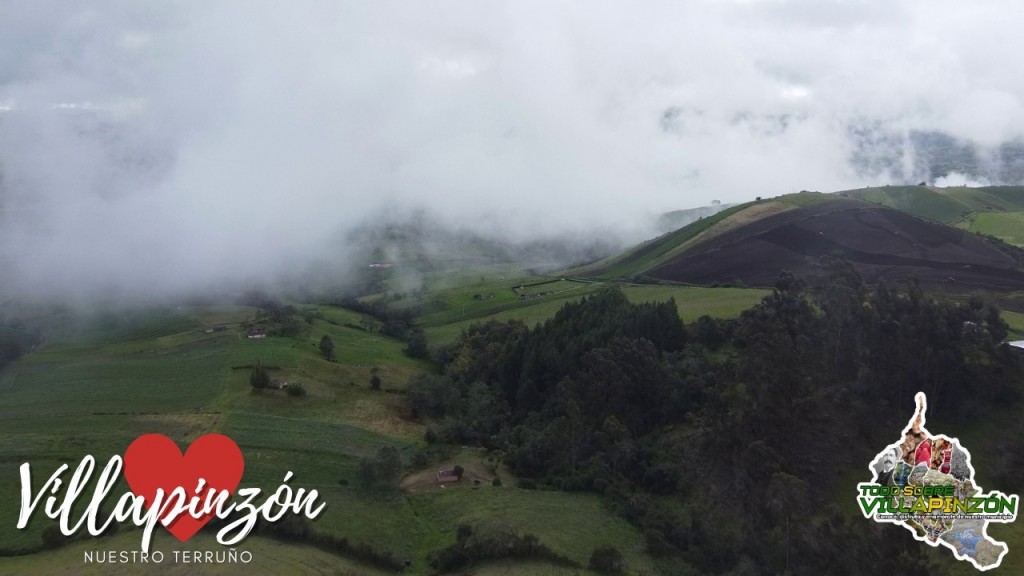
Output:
x=154 y=461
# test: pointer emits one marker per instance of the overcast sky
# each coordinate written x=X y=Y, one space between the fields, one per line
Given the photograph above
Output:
x=176 y=144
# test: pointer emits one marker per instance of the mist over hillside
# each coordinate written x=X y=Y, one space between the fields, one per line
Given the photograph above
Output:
x=935 y=157
x=156 y=150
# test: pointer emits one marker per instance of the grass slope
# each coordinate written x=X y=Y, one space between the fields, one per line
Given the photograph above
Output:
x=96 y=387
x=665 y=248
x=691 y=301
x=921 y=201
x=657 y=250
x=997 y=211
x=1007 y=226
x=992 y=210
x=751 y=245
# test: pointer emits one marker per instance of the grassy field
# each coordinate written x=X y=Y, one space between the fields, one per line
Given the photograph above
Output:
x=658 y=250
x=925 y=202
x=464 y=307
x=990 y=197
x=692 y=302
x=806 y=198
x=1007 y=226
x=993 y=210
x=666 y=247
x=530 y=313
x=1015 y=320
x=99 y=384
x=95 y=388
x=554 y=517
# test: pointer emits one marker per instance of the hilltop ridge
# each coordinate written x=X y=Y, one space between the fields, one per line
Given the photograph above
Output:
x=891 y=233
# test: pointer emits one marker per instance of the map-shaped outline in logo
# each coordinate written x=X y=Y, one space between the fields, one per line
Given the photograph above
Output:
x=895 y=452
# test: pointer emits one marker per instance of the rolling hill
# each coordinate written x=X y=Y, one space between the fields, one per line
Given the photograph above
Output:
x=751 y=243
x=992 y=210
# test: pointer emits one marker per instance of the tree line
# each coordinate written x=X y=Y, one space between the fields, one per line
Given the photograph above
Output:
x=726 y=441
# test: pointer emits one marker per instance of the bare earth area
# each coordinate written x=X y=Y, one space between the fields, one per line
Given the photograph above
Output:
x=881 y=243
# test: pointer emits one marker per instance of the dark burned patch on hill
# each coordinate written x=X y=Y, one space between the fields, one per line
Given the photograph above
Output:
x=882 y=243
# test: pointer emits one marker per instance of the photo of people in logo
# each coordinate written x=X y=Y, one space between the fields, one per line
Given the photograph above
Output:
x=918 y=455
x=922 y=461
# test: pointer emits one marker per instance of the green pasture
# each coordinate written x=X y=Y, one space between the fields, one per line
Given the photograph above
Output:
x=806 y=198
x=992 y=197
x=691 y=301
x=1015 y=320
x=554 y=286
x=458 y=304
x=570 y=523
x=656 y=251
x=1007 y=226
x=917 y=200
x=102 y=383
x=992 y=210
x=145 y=378
x=124 y=326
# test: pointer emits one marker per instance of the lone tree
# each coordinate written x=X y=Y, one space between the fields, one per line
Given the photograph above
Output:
x=374 y=378
x=417 y=347
x=327 y=347
x=606 y=559
x=259 y=378
x=383 y=470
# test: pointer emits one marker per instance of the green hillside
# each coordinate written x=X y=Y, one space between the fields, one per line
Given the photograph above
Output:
x=894 y=233
x=653 y=251
x=665 y=247
x=1007 y=226
x=691 y=302
x=992 y=210
x=101 y=382
x=946 y=205
x=996 y=211
x=648 y=255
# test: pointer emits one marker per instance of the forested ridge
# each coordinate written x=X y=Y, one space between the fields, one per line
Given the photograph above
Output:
x=726 y=441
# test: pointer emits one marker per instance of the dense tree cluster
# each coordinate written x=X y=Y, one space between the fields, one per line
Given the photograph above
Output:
x=725 y=441
x=259 y=377
x=13 y=343
x=395 y=323
x=280 y=319
x=381 y=471
x=606 y=559
x=490 y=541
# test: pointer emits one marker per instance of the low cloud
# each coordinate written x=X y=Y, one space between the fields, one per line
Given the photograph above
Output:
x=152 y=148
x=959 y=179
